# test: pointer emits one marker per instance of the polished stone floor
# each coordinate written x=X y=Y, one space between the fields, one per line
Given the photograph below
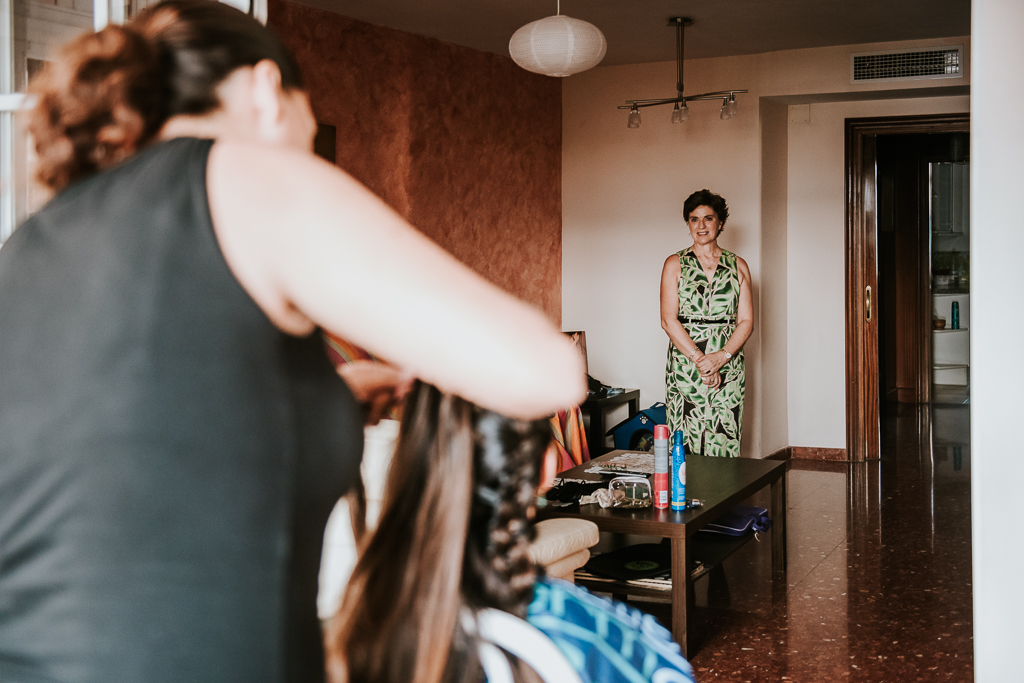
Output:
x=878 y=584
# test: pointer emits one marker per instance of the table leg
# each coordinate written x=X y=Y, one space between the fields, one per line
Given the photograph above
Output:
x=778 y=512
x=682 y=593
x=597 y=430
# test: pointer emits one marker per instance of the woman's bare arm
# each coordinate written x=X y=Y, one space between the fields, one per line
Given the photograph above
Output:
x=313 y=247
x=744 y=312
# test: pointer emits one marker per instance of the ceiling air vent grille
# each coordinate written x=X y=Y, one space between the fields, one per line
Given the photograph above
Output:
x=907 y=65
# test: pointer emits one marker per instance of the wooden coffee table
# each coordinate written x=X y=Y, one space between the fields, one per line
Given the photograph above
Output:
x=720 y=483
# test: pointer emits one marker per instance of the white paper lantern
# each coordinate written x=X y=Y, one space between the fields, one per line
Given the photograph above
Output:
x=557 y=46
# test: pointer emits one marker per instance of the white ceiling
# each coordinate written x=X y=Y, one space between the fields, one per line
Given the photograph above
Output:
x=637 y=30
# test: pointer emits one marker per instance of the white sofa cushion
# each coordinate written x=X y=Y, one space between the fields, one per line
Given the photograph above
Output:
x=560 y=538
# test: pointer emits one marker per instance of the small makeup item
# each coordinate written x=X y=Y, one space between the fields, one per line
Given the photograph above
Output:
x=615 y=470
x=635 y=492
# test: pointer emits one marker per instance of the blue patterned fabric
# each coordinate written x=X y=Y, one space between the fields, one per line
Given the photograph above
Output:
x=606 y=641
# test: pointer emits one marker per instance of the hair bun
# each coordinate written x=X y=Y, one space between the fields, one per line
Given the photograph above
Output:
x=97 y=104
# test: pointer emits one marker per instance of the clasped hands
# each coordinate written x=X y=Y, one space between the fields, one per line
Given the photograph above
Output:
x=377 y=386
x=709 y=366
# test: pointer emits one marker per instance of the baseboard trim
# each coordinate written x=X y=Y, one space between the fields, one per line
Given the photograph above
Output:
x=808 y=453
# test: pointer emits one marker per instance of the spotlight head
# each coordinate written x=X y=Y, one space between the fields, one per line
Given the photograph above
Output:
x=684 y=112
x=677 y=116
x=634 y=118
x=729 y=107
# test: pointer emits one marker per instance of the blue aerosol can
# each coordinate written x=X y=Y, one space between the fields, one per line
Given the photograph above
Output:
x=678 y=471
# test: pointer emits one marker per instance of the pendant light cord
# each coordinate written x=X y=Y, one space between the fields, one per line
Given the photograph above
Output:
x=680 y=26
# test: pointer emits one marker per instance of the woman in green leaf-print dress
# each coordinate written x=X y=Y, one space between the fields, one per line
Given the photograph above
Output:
x=707 y=312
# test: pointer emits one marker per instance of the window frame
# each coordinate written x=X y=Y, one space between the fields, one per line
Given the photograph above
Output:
x=11 y=102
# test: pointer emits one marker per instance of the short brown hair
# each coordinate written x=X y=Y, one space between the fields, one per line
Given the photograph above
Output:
x=709 y=199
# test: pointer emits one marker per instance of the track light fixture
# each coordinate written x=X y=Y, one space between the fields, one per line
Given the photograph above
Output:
x=680 y=112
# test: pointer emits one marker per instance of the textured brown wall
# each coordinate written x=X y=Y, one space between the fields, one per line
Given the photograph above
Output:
x=464 y=144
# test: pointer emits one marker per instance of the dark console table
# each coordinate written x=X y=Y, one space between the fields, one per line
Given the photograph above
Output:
x=595 y=409
x=720 y=483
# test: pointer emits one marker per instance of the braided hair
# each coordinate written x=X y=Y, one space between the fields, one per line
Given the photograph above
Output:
x=497 y=570
x=454 y=534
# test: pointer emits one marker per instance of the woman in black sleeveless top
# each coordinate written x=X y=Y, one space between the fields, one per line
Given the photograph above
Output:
x=172 y=436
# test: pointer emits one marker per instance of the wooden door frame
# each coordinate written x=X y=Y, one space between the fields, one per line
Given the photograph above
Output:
x=862 y=398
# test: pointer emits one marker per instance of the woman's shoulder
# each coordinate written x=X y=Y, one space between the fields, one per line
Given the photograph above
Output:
x=673 y=265
x=676 y=258
x=732 y=259
x=128 y=189
x=582 y=622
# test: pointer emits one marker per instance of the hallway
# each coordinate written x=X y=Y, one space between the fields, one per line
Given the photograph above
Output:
x=879 y=570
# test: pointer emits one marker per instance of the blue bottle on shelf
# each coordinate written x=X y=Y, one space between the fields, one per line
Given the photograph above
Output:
x=955 y=316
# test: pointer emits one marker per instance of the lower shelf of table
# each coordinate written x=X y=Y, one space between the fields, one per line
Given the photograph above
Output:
x=705 y=552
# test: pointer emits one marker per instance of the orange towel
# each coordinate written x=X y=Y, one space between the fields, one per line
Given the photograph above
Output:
x=570 y=438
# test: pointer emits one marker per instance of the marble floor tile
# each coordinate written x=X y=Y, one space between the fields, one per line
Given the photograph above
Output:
x=878 y=584
x=808 y=483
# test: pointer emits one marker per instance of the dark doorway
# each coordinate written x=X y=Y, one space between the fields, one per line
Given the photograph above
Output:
x=864 y=388
x=919 y=236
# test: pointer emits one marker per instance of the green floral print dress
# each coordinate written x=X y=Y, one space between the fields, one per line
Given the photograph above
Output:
x=710 y=419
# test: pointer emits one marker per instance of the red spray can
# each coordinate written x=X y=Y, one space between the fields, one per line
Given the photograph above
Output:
x=661 y=470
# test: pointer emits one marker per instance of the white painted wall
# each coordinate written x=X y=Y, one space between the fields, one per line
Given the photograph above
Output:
x=816 y=261
x=622 y=191
x=622 y=199
x=773 y=313
x=997 y=242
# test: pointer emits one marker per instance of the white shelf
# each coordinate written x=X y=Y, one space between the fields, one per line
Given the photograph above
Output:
x=947 y=330
x=942 y=306
x=951 y=347
x=952 y=374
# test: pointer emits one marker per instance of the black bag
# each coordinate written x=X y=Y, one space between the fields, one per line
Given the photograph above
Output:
x=739 y=521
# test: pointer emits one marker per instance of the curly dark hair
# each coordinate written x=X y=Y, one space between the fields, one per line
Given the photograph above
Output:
x=109 y=93
x=709 y=199
x=454 y=533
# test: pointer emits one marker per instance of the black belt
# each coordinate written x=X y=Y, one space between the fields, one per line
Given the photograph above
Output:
x=707 y=321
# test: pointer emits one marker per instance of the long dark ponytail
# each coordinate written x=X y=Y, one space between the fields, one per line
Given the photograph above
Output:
x=109 y=93
x=453 y=534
